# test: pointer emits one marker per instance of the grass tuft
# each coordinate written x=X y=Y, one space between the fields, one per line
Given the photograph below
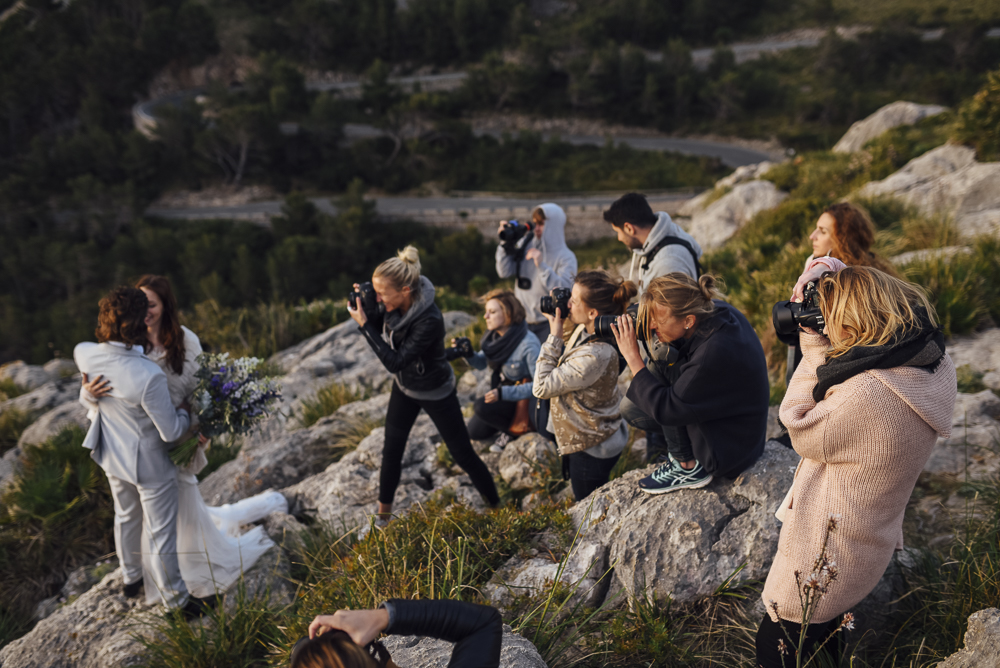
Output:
x=9 y=389
x=328 y=400
x=13 y=422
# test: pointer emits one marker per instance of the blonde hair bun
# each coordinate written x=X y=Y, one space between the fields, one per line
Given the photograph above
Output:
x=410 y=255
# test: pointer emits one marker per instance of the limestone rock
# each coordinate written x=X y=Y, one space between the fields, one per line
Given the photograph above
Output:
x=524 y=457
x=585 y=572
x=741 y=174
x=681 y=545
x=970 y=448
x=516 y=651
x=272 y=458
x=10 y=464
x=947 y=181
x=982 y=642
x=45 y=397
x=60 y=367
x=345 y=494
x=980 y=351
x=51 y=423
x=724 y=217
x=342 y=354
x=284 y=530
x=886 y=118
x=100 y=627
x=28 y=376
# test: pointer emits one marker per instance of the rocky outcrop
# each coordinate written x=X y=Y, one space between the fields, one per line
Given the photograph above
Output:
x=273 y=458
x=981 y=353
x=982 y=642
x=947 y=181
x=341 y=354
x=681 y=545
x=516 y=651
x=524 y=459
x=52 y=422
x=102 y=628
x=742 y=174
x=45 y=397
x=945 y=254
x=971 y=447
x=886 y=118
x=31 y=376
x=713 y=226
x=345 y=494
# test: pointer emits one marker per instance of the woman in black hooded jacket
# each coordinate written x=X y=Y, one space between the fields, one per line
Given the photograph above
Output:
x=409 y=341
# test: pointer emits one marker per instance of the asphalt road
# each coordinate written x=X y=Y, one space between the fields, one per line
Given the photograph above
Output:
x=401 y=207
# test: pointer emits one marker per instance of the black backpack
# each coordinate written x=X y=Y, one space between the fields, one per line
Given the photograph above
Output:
x=668 y=241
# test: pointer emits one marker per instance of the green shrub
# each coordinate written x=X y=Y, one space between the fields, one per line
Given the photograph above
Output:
x=979 y=120
x=241 y=638
x=347 y=436
x=56 y=515
x=970 y=381
x=9 y=389
x=328 y=400
x=219 y=453
x=13 y=422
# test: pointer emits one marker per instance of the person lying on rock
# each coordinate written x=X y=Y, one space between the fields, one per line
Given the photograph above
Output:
x=581 y=379
x=409 y=341
x=712 y=407
x=509 y=350
x=346 y=639
x=865 y=407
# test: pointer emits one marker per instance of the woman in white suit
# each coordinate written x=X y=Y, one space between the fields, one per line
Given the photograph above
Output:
x=211 y=551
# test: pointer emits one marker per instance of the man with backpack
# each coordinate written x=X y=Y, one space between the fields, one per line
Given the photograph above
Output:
x=659 y=246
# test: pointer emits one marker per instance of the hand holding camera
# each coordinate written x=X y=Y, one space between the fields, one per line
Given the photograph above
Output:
x=555 y=308
x=362 y=303
x=788 y=316
x=460 y=347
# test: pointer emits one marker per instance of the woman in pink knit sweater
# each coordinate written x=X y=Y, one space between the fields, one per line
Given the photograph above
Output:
x=873 y=393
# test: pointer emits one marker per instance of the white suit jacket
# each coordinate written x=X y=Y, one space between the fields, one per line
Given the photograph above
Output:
x=134 y=424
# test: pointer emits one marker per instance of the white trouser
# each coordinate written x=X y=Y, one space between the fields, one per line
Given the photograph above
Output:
x=149 y=507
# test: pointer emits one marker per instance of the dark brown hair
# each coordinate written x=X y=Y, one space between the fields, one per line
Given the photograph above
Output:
x=171 y=335
x=853 y=235
x=333 y=649
x=604 y=293
x=512 y=308
x=122 y=317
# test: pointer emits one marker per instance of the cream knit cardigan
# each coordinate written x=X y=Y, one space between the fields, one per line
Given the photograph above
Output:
x=862 y=449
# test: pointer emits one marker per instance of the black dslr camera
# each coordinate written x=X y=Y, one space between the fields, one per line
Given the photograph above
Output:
x=558 y=300
x=513 y=231
x=602 y=324
x=789 y=316
x=369 y=302
x=462 y=348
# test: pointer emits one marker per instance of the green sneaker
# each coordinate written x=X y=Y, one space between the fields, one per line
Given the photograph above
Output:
x=671 y=476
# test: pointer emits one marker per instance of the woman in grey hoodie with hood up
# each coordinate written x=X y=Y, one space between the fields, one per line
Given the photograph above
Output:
x=542 y=259
x=409 y=341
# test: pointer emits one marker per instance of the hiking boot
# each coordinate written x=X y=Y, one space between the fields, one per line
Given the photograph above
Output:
x=132 y=590
x=502 y=440
x=672 y=476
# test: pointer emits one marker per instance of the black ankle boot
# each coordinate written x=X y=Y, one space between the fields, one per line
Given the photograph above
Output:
x=132 y=590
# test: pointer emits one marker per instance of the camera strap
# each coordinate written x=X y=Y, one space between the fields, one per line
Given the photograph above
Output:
x=671 y=241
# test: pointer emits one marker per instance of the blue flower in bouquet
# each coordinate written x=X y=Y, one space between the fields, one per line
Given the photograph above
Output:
x=232 y=397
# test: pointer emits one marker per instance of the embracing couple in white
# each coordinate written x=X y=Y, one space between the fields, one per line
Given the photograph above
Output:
x=137 y=381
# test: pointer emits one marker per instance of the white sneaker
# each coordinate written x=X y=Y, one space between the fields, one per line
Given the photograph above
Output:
x=502 y=440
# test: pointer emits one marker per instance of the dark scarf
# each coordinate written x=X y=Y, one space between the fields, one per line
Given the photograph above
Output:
x=498 y=348
x=921 y=347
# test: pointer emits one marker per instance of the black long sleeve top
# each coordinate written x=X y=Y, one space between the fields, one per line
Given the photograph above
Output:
x=476 y=630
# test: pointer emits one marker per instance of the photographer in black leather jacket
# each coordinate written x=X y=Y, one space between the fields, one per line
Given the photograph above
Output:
x=338 y=639
x=409 y=341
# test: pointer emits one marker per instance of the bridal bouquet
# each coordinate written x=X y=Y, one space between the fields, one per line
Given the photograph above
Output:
x=231 y=397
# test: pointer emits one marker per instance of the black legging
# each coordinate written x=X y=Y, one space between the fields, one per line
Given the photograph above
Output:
x=488 y=419
x=587 y=472
x=772 y=638
x=446 y=415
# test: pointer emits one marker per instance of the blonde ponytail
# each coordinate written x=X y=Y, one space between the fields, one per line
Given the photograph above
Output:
x=681 y=294
x=403 y=270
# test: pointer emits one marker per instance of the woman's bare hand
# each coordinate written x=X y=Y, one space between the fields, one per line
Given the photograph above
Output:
x=628 y=344
x=362 y=625
x=356 y=312
x=492 y=396
x=97 y=388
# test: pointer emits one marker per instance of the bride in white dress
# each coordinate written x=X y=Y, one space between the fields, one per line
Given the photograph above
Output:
x=211 y=551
